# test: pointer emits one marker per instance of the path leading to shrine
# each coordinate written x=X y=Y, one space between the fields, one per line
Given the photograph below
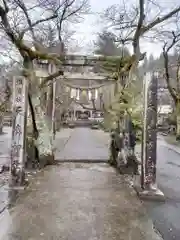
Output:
x=79 y=200
x=84 y=145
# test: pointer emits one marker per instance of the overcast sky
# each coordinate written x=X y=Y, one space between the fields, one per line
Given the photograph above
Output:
x=87 y=31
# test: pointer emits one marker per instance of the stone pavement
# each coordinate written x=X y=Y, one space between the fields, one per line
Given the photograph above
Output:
x=61 y=139
x=5 y=142
x=78 y=201
x=85 y=145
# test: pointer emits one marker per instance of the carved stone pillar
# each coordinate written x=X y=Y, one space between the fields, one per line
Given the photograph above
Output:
x=3 y=107
x=18 y=146
x=149 y=141
x=150 y=132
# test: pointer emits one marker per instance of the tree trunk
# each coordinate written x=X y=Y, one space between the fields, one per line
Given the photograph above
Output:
x=43 y=138
x=44 y=141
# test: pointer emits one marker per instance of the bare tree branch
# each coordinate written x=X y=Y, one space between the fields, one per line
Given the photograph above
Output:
x=49 y=78
x=178 y=74
x=159 y=20
x=134 y=22
x=137 y=33
x=166 y=50
x=32 y=25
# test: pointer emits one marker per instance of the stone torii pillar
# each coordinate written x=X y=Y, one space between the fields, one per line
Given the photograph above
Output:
x=53 y=104
x=54 y=109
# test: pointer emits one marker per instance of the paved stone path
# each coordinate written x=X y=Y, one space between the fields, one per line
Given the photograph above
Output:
x=77 y=201
x=5 y=143
x=61 y=139
x=85 y=145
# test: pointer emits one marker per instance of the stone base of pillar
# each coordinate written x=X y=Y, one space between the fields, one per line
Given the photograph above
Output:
x=153 y=193
x=46 y=160
x=15 y=185
x=16 y=188
x=128 y=164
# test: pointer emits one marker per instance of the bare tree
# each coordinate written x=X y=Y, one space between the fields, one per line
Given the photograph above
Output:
x=131 y=23
x=173 y=80
x=69 y=12
x=19 y=26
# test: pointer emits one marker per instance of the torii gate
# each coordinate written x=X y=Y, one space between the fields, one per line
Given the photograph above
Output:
x=83 y=82
x=20 y=108
x=18 y=151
